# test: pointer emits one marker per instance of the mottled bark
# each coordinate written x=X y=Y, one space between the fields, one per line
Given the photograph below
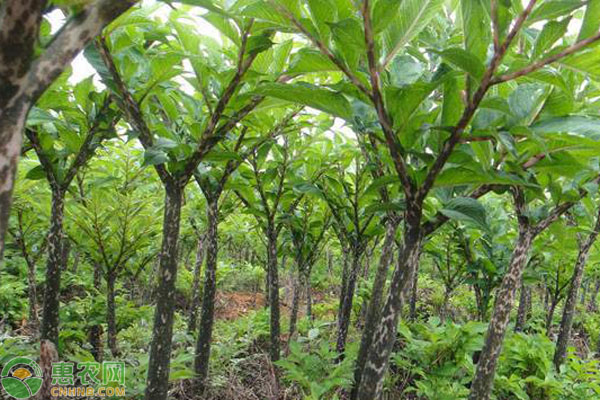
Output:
x=157 y=383
x=524 y=307
x=54 y=267
x=385 y=334
x=486 y=368
x=374 y=308
x=566 y=323
x=196 y=285
x=297 y=289
x=111 y=320
x=32 y=294
x=207 y=315
x=593 y=303
x=345 y=312
x=550 y=315
x=414 y=287
x=273 y=292
x=308 y=291
x=95 y=333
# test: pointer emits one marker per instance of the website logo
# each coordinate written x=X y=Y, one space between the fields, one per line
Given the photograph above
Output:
x=21 y=378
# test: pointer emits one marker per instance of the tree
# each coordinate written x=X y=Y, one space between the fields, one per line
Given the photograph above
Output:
x=114 y=219
x=212 y=184
x=64 y=144
x=566 y=323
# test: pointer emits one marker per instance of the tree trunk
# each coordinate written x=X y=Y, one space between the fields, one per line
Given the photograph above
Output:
x=584 y=289
x=157 y=383
x=54 y=267
x=550 y=315
x=566 y=324
x=32 y=294
x=444 y=308
x=486 y=367
x=295 y=305
x=111 y=320
x=196 y=286
x=385 y=332
x=345 y=273
x=374 y=308
x=95 y=333
x=345 y=312
x=593 y=304
x=524 y=307
x=308 y=292
x=413 y=295
x=273 y=291
x=12 y=120
x=207 y=314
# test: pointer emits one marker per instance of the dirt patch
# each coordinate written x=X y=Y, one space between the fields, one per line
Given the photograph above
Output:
x=230 y=306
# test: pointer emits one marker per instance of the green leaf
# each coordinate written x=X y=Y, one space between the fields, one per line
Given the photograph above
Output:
x=412 y=17
x=476 y=27
x=36 y=173
x=258 y=44
x=383 y=13
x=309 y=95
x=553 y=9
x=349 y=40
x=308 y=60
x=591 y=20
x=577 y=124
x=552 y=31
x=465 y=61
x=466 y=209
x=155 y=156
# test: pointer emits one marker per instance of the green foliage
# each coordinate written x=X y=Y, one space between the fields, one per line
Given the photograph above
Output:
x=316 y=371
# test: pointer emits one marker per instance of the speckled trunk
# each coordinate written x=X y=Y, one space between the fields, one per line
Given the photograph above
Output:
x=566 y=323
x=374 y=308
x=524 y=307
x=414 y=287
x=32 y=294
x=196 y=286
x=295 y=305
x=11 y=125
x=550 y=315
x=95 y=333
x=111 y=320
x=345 y=258
x=273 y=292
x=385 y=333
x=345 y=312
x=593 y=304
x=157 y=382
x=54 y=268
x=207 y=314
x=481 y=387
x=308 y=291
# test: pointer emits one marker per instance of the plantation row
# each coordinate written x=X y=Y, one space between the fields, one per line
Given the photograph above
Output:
x=305 y=199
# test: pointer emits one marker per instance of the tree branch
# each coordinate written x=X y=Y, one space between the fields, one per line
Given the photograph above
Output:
x=70 y=40
x=549 y=60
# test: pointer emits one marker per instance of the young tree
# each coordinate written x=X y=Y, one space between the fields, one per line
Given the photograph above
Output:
x=213 y=183
x=566 y=323
x=26 y=235
x=64 y=138
x=307 y=227
x=29 y=64
x=116 y=223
